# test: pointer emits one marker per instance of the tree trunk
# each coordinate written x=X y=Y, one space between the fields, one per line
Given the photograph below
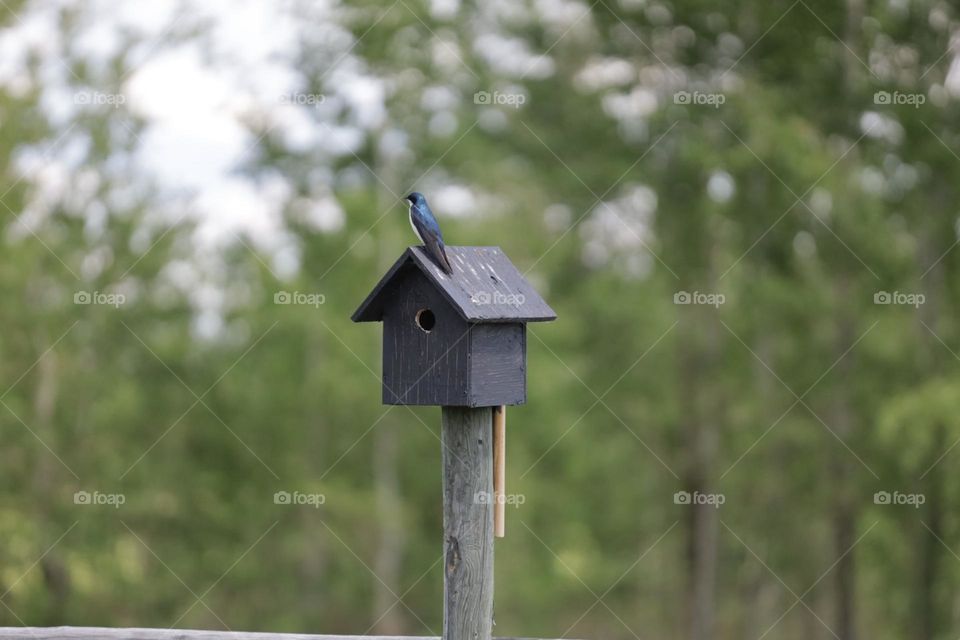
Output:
x=841 y=421
x=56 y=577
x=930 y=360
x=391 y=541
x=387 y=563
x=701 y=441
x=929 y=547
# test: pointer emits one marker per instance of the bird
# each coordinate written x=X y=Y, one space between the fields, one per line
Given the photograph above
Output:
x=428 y=230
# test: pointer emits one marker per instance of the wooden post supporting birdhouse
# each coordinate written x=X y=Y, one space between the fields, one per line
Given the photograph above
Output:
x=459 y=341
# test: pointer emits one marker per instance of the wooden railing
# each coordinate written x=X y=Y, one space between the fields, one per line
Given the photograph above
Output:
x=108 y=633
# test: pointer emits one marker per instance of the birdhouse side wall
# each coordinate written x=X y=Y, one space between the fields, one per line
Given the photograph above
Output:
x=423 y=365
x=498 y=364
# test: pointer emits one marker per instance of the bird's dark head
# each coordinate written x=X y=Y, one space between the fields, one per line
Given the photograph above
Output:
x=415 y=198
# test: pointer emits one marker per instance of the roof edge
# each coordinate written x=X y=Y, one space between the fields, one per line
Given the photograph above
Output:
x=370 y=311
x=361 y=314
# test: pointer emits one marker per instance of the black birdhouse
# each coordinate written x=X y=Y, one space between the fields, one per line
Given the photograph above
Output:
x=457 y=340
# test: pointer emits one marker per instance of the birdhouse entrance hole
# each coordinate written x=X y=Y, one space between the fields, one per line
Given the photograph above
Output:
x=426 y=320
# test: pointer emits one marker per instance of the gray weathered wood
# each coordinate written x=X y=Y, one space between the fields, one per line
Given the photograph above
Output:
x=485 y=287
x=498 y=365
x=105 y=633
x=456 y=363
x=419 y=367
x=466 y=437
x=473 y=350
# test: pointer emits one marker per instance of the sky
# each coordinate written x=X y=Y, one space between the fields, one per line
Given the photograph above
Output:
x=196 y=96
x=201 y=71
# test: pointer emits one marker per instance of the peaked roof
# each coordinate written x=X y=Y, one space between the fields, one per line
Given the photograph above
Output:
x=484 y=287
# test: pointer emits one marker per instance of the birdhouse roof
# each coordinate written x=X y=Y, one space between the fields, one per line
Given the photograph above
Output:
x=484 y=287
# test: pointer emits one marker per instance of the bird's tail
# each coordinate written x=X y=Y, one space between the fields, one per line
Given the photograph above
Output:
x=444 y=261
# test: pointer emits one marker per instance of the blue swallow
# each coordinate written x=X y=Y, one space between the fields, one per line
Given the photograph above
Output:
x=428 y=230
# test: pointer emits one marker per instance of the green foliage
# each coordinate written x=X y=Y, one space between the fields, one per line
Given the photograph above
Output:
x=798 y=398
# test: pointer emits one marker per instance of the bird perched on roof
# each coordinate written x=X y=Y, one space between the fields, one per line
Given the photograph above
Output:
x=428 y=230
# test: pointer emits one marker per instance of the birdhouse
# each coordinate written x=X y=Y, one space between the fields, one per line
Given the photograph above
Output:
x=454 y=340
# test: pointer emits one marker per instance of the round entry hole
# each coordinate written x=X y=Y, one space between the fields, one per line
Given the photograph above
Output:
x=426 y=320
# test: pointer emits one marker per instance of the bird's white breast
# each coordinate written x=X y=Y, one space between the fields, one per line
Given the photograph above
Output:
x=413 y=226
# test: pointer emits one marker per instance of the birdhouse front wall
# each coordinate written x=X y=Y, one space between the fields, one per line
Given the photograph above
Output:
x=426 y=345
x=432 y=356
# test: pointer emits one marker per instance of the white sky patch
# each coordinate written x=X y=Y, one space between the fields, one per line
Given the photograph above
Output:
x=638 y=103
x=322 y=214
x=195 y=96
x=32 y=33
x=821 y=201
x=444 y=9
x=557 y=217
x=604 y=73
x=365 y=96
x=454 y=200
x=881 y=126
x=439 y=98
x=562 y=15
x=622 y=226
x=512 y=57
x=721 y=187
x=446 y=52
x=952 y=82
x=193 y=139
x=872 y=180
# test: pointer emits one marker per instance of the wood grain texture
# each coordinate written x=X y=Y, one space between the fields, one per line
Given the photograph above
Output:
x=455 y=363
x=420 y=367
x=106 y=633
x=498 y=364
x=484 y=287
x=466 y=437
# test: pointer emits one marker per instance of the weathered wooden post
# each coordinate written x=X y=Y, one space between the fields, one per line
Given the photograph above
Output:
x=460 y=342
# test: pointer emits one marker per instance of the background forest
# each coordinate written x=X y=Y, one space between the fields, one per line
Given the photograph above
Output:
x=745 y=214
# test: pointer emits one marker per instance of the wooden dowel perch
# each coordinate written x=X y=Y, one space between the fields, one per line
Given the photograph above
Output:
x=499 y=469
